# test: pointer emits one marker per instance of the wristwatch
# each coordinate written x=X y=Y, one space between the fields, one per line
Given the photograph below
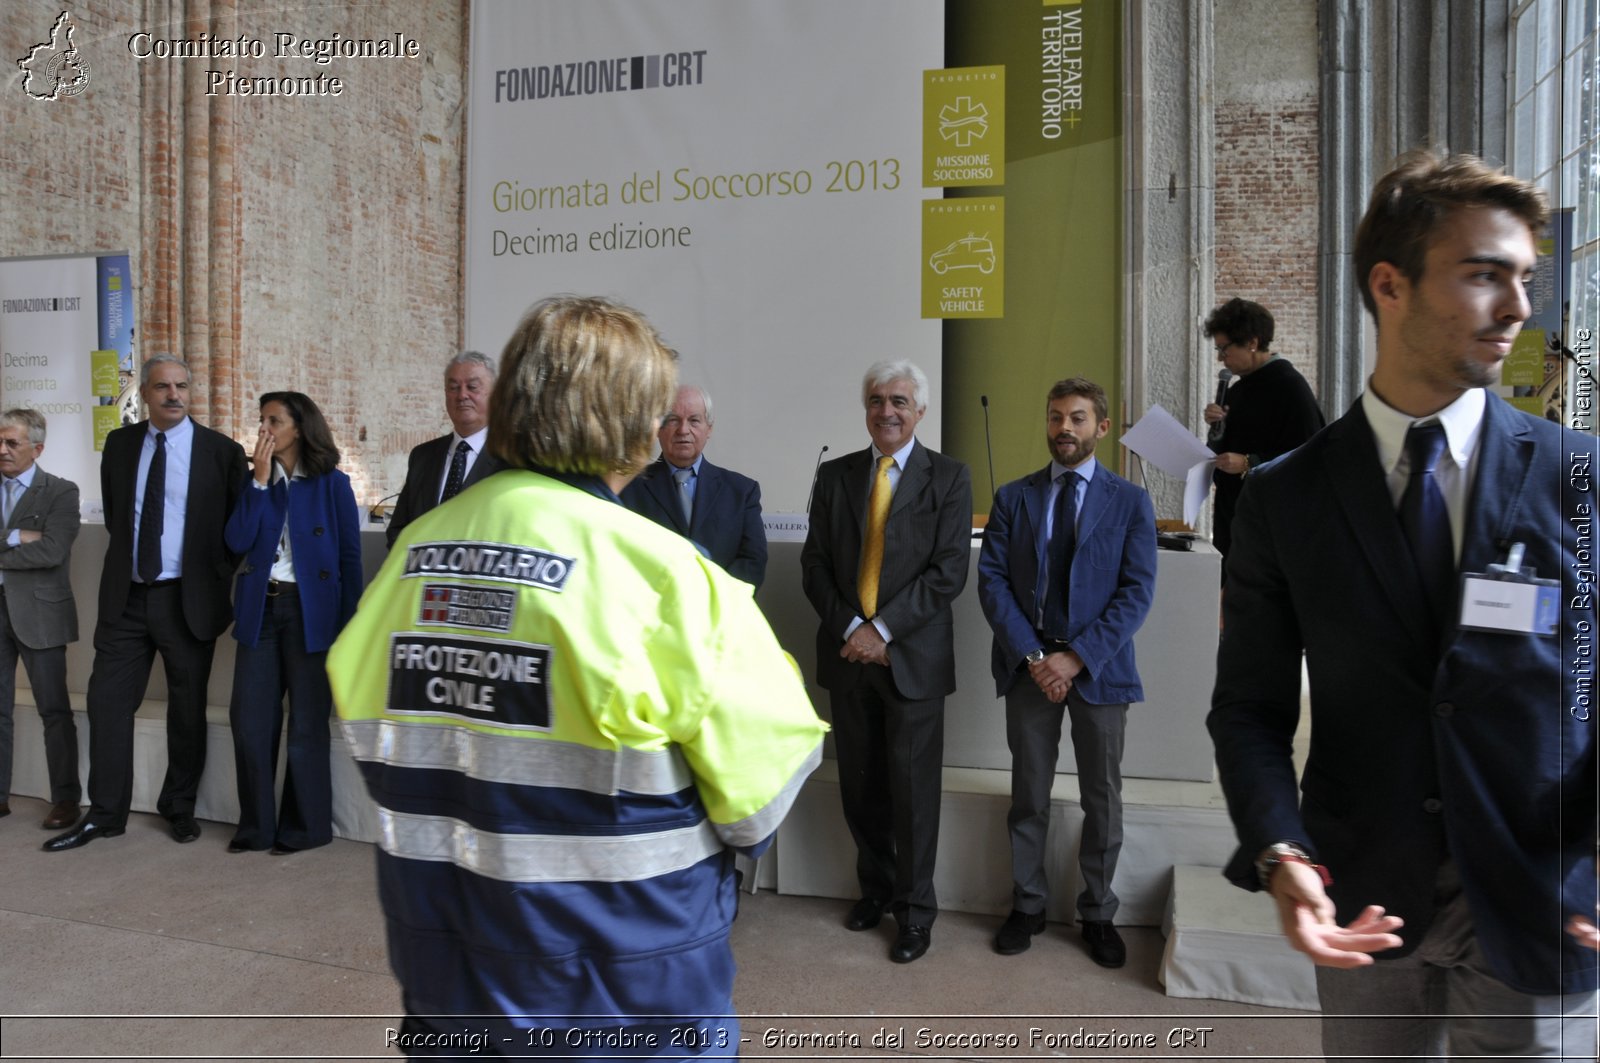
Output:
x=1036 y=656
x=1286 y=852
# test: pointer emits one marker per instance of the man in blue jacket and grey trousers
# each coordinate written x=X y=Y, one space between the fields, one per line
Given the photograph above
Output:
x=1066 y=577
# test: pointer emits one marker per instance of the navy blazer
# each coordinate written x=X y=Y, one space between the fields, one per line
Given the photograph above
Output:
x=1111 y=583
x=727 y=515
x=216 y=465
x=927 y=551
x=1479 y=755
x=324 y=540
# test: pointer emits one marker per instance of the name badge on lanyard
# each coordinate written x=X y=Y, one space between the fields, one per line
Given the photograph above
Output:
x=1510 y=599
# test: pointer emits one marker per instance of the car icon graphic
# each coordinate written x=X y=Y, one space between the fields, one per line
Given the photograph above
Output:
x=969 y=252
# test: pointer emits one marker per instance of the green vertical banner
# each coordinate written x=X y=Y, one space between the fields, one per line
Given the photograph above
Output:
x=1049 y=74
x=963 y=257
x=104 y=384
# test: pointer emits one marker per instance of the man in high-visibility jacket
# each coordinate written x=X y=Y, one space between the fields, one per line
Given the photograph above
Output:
x=570 y=721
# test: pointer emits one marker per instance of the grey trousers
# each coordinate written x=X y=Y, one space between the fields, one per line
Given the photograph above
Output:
x=1441 y=1002
x=1033 y=732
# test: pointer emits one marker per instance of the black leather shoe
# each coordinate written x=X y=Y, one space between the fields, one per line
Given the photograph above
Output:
x=280 y=849
x=1016 y=933
x=183 y=827
x=237 y=846
x=912 y=942
x=79 y=836
x=864 y=915
x=1105 y=944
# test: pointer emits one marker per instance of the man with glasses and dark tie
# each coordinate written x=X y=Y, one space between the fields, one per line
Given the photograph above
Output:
x=168 y=485
x=1429 y=559
x=441 y=468
x=1066 y=577
x=717 y=509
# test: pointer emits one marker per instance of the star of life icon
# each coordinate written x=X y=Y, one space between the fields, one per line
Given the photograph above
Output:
x=55 y=68
x=963 y=122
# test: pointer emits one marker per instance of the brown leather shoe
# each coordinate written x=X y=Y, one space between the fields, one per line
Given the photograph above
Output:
x=63 y=814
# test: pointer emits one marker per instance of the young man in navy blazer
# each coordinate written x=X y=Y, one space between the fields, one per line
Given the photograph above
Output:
x=1066 y=576
x=717 y=509
x=1445 y=818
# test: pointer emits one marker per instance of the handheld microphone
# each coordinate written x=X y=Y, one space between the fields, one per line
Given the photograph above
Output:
x=375 y=514
x=988 y=445
x=1223 y=376
x=814 y=473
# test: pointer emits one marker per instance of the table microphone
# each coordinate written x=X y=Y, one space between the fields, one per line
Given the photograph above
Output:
x=814 y=474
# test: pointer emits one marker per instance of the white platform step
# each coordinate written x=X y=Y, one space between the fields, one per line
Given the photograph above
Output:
x=1164 y=823
x=1224 y=943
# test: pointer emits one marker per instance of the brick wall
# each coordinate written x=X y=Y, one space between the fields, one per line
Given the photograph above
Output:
x=311 y=244
x=1267 y=166
x=1266 y=216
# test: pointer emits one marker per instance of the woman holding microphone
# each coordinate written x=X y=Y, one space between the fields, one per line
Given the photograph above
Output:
x=297 y=526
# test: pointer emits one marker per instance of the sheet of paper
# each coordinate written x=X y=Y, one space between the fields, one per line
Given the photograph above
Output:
x=1195 y=490
x=1158 y=438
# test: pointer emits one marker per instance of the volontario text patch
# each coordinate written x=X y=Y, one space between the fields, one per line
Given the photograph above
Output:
x=484 y=680
x=458 y=605
x=502 y=562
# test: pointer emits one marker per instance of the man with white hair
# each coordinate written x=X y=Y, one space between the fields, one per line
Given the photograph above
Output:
x=717 y=509
x=887 y=552
x=441 y=468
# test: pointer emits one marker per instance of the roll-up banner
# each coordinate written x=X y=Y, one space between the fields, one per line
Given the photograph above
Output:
x=66 y=350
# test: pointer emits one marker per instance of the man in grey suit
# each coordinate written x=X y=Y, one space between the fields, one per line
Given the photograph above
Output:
x=440 y=468
x=39 y=514
x=887 y=552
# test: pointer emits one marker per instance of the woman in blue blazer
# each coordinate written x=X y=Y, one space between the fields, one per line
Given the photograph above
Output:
x=297 y=527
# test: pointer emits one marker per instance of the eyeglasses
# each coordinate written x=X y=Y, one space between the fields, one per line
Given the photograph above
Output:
x=1222 y=348
x=16 y=444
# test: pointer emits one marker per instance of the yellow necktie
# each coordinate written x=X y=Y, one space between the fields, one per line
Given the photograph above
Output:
x=872 y=548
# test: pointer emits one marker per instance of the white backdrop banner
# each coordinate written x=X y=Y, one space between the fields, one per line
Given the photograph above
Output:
x=49 y=327
x=746 y=174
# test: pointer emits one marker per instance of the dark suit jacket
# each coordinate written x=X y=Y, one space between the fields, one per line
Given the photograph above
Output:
x=424 y=473
x=1110 y=585
x=39 y=574
x=727 y=514
x=324 y=540
x=216 y=472
x=927 y=547
x=1477 y=755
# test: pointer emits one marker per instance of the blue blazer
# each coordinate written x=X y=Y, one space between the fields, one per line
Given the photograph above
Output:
x=325 y=539
x=1111 y=583
x=1478 y=754
x=727 y=515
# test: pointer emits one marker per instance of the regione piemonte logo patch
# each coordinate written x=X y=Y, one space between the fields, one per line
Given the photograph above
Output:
x=55 y=68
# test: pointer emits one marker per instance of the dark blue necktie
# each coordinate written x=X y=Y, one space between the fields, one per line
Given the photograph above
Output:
x=152 y=517
x=458 y=472
x=1426 y=521
x=1063 y=541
